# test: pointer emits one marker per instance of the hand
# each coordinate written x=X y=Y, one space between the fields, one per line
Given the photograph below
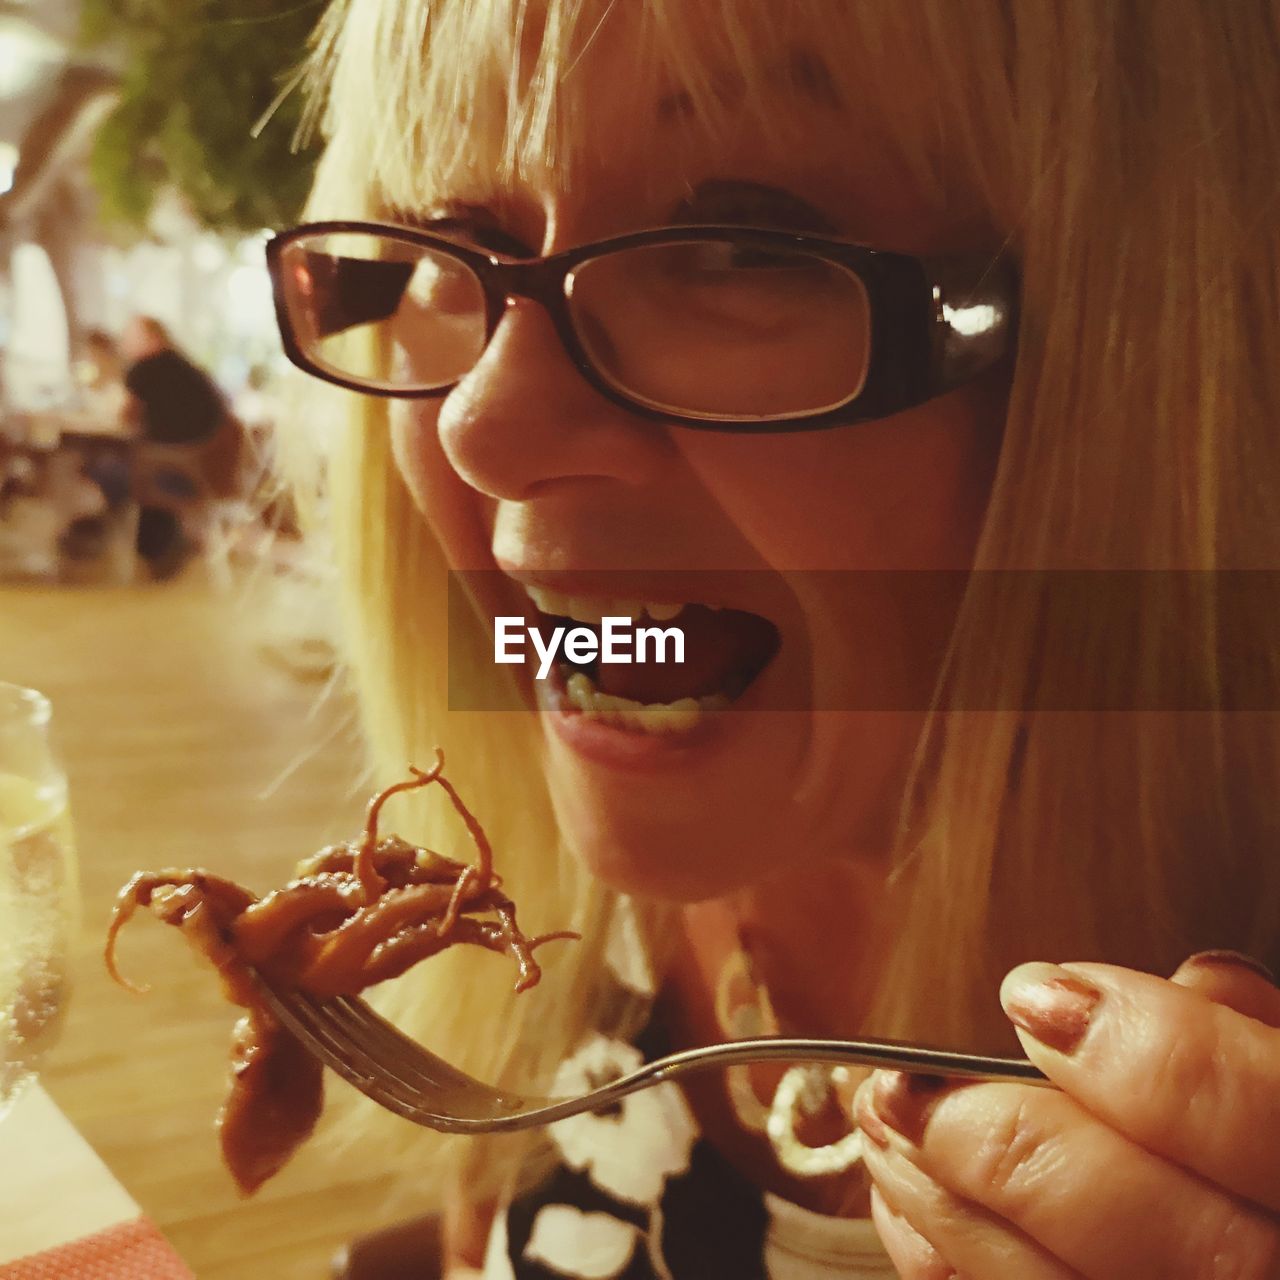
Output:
x=1158 y=1158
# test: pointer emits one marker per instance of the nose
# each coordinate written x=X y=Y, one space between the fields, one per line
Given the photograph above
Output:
x=525 y=418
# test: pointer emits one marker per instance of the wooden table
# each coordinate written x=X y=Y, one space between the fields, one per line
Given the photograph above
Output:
x=184 y=745
x=61 y=1211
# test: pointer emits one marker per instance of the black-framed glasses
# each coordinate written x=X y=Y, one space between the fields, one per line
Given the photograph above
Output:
x=723 y=328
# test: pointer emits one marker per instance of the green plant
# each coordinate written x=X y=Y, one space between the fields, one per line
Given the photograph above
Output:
x=196 y=78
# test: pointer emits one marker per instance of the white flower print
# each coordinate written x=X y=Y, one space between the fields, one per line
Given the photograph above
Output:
x=591 y=1245
x=631 y=1152
x=497 y=1261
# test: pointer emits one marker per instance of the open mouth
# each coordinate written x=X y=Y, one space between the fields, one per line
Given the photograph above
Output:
x=724 y=652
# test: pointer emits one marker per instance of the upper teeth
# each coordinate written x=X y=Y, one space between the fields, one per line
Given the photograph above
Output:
x=593 y=609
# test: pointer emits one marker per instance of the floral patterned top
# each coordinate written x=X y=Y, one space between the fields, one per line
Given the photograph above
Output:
x=636 y=1194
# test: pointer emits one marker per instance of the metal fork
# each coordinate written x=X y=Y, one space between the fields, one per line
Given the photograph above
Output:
x=399 y=1074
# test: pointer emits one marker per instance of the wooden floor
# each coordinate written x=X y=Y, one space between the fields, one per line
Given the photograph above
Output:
x=185 y=747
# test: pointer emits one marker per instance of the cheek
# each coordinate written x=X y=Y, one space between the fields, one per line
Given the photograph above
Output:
x=908 y=492
x=459 y=517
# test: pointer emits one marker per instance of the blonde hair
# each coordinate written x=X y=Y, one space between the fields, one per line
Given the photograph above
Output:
x=1121 y=151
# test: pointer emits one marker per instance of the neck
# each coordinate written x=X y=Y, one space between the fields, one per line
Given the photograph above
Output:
x=815 y=938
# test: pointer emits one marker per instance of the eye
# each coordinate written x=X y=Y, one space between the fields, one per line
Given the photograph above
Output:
x=719 y=262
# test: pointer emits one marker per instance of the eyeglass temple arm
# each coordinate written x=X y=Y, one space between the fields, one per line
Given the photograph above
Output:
x=974 y=317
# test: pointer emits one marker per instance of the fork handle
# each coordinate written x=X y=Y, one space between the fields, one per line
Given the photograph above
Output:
x=866 y=1053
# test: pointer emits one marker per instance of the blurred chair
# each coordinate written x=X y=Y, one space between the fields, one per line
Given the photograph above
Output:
x=198 y=485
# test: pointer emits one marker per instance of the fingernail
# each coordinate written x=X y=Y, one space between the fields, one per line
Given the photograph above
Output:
x=864 y=1112
x=904 y=1101
x=1050 y=1003
x=1233 y=959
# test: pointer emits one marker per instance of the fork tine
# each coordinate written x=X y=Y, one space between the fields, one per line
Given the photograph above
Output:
x=466 y=1099
x=396 y=1072
x=305 y=1019
x=392 y=1070
x=422 y=1068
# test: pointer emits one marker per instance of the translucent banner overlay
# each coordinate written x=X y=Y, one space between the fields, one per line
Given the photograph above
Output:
x=833 y=640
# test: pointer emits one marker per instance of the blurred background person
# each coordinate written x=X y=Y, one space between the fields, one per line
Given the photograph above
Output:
x=100 y=374
x=191 y=444
x=171 y=399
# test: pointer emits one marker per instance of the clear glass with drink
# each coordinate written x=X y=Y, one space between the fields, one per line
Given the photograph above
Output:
x=38 y=884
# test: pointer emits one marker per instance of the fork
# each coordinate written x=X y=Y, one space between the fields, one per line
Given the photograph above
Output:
x=398 y=1073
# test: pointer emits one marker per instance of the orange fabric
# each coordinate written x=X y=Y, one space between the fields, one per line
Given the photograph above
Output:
x=128 y=1251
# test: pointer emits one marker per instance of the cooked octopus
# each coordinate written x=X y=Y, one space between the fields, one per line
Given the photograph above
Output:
x=355 y=914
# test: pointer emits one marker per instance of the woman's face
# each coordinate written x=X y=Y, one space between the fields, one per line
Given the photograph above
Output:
x=525 y=468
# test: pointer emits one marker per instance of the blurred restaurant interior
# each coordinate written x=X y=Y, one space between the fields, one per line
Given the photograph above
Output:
x=151 y=585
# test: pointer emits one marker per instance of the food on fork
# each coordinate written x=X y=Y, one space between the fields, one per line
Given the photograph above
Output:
x=355 y=914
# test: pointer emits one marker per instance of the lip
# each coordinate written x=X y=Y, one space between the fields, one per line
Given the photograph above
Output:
x=630 y=750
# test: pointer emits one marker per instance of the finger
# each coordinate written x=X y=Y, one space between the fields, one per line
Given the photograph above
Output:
x=1231 y=979
x=1187 y=1079
x=1098 y=1202
x=973 y=1242
x=913 y=1257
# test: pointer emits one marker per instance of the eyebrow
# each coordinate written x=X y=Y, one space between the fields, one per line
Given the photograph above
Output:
x=770 y=206
x=801 y=70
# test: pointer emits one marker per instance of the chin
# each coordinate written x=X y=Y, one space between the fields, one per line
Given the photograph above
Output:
x=677 y=837
x=774 y=794
x=661 y=865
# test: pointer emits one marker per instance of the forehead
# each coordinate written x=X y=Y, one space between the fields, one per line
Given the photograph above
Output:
x=475 y=99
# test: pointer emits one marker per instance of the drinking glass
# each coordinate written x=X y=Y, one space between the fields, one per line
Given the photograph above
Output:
x=38 y=888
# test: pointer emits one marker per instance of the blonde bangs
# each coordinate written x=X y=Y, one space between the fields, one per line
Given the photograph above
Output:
x=425 y=99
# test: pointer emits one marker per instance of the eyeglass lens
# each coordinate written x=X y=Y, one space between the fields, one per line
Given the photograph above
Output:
x=702 y=328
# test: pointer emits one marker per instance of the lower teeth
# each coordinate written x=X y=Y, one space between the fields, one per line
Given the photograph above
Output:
x=649 y=717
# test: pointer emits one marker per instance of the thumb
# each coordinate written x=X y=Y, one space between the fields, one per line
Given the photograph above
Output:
x=1235 y=980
